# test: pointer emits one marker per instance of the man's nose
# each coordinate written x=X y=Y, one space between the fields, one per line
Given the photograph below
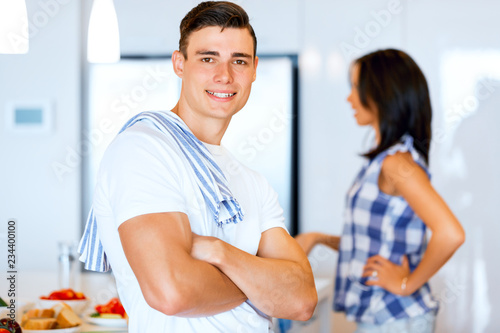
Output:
x=224 y=73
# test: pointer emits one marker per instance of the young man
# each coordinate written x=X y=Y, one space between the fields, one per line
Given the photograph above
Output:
x=196 y=240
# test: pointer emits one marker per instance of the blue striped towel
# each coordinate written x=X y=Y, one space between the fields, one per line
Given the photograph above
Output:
x=210 y=179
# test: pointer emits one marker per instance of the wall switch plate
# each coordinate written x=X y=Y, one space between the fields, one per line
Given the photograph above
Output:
x=30 y=117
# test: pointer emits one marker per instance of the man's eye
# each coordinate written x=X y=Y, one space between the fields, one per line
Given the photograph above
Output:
x=240 y=62
x=206 y=59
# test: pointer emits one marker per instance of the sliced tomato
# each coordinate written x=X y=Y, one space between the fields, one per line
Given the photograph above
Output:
x=64 y=295
x=79 y=295
x=113 y=306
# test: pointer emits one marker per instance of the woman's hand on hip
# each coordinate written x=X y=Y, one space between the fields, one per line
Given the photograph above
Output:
x=388 y=275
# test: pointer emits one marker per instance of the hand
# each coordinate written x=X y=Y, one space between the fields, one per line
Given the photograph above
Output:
x=205 y=248
x=389 y=275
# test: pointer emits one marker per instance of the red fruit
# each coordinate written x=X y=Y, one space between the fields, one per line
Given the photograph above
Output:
x=79 y=295
x=113 y=306
x=64 y=295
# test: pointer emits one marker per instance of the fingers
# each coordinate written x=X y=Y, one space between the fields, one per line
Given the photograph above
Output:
x=373 y=265
x=405 y=263
x=370 y=273
x=372 y=282
x=377 y=259
x=383 y=262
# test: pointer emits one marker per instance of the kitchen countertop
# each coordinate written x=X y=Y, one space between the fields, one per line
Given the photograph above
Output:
x=323 y=287
x=103 y=284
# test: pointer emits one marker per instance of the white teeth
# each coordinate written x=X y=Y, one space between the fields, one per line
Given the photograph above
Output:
x=220 y=95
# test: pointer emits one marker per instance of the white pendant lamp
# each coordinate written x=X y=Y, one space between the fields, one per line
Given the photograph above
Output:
x=103 y=44
x=14 y=37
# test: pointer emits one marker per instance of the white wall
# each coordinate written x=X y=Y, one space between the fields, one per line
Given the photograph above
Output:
x=449 y=39
x=47 y=207
x=461 y=57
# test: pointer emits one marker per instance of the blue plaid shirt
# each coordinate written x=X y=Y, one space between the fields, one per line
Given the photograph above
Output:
x=377 y=223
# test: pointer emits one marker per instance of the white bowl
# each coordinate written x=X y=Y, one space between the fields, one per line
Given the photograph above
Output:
x=77 y=305
x=110 y=322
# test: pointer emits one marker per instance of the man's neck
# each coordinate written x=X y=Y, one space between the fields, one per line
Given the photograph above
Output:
x=206 y=129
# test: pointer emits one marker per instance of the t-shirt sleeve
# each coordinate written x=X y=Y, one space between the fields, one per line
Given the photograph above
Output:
x=140 y=173
x=272 y=213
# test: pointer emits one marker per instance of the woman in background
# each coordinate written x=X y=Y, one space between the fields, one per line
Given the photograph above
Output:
x=384 y=258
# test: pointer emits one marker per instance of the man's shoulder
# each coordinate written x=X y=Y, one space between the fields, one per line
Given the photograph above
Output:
x=140 y=150
x=143 y=131
x=142 y=137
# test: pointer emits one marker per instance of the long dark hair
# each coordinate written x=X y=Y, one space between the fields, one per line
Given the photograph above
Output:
x=222 y=14
x=391 y=81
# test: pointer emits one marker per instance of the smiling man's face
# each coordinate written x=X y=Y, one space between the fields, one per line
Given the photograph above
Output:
x=218 y=73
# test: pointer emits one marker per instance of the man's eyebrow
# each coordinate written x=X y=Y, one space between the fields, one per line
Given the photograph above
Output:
x=217 y=54
x=241 y=55
x=206 y=52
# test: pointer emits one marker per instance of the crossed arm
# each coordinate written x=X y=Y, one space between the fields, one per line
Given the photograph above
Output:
x=186 y=275
x=278 y=281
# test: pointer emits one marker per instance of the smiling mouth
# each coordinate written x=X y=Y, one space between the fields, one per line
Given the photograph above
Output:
x=220 y=95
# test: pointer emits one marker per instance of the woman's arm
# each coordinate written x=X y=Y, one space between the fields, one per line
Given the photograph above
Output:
x=402 y=176
x=308 y=240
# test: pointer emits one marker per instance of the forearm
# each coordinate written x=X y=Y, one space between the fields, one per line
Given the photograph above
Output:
x=207 y=291
x=276 y=287
x=331 y=241
x=309 y=240
x=438 y=252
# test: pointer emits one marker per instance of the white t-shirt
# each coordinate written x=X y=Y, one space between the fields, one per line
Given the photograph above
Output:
x=143 y=171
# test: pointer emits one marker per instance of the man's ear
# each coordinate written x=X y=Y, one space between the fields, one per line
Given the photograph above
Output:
x=178 y=63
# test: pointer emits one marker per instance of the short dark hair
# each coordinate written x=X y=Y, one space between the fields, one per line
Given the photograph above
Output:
x=222 y=14
x=391 y=81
